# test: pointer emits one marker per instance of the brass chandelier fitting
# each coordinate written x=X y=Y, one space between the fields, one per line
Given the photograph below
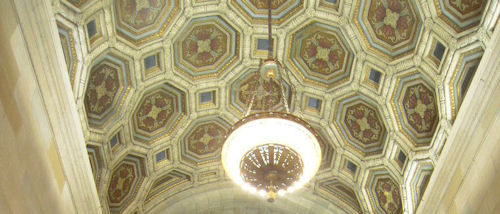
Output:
x=270 y=152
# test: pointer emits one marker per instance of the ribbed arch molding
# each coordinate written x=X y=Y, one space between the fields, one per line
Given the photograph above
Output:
x=225 y=197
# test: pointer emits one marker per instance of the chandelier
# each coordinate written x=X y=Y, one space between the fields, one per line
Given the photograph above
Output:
x=270 y=152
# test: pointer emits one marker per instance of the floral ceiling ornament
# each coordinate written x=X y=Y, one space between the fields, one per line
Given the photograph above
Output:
x=206 y=139
x=121 y=182
x=363 y=123
x=204 y=45
x=388 y=196
x=139 y=13
x=269 y=97
x=391 y=20
x=465 y=6
x=102 y=88
x=154 y=112
x=420 y=106
x=322 y=53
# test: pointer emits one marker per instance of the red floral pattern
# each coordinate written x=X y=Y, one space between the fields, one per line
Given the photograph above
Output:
x=206 y=139
x=420 y=108
x=121 y=182
x=387 y=193
x=154 y=111
x=322 y=53
x=267 y=93
x=392 y=20
x=101 y=90
x=466 y=6
x=140 y=13
x=364 y=124
x=204 y=45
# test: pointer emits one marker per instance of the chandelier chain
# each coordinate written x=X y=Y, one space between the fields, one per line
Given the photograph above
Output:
x=283 y=95
x=277 y=151
x=269 y=31
x=250 y=105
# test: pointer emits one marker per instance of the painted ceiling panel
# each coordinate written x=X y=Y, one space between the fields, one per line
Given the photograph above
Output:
x=167 y=79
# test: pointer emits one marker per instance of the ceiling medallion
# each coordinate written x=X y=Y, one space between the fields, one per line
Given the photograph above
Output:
x=270 y=152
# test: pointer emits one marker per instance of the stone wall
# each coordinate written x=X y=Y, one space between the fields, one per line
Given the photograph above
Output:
x=36 y=160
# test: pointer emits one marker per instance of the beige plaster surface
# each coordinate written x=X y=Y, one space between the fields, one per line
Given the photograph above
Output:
x=31 y=178
x=467 y=176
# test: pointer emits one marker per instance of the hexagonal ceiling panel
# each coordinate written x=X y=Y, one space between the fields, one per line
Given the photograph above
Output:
x=243 y=89
x=391 y=27
x=359 y=122
x=460 y=15
x=203 y=141
x=140 y=21
x=416 y=107
x=384 y=193
x=107 y=86
x=255 y=11
x=126 y=178
x=158 y=113
x=206 y=47
x=321 y=55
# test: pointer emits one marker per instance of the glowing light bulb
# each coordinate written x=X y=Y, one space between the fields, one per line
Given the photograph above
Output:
x=252 y=190
x=285 y=131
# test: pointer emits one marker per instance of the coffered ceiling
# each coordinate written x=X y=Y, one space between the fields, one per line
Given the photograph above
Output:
x=158 y=84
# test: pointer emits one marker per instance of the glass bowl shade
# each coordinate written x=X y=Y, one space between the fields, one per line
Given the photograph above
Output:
x=271 y=128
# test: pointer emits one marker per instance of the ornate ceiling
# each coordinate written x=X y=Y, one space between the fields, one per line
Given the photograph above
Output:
x=159 y=83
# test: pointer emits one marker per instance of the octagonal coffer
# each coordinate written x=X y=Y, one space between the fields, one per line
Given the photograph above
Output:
x=158 y=113
x=358 y=120
x=202 y=143
x=140 y=21
x=391 y=27
x=460 y=15
x=385 y=194
x=321 y=55
x=416 y=107
x=107 y=86
x=255 y=11
x=126 y=179
x=206 y=47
